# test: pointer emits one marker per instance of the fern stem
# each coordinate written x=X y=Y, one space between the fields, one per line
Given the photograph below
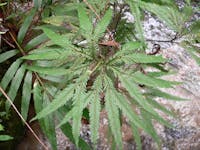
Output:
x=91 y=8
x=20 y=48
x=96 y=67
x=16 y=110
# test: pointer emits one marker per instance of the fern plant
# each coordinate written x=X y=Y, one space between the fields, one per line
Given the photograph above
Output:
x=79 y=64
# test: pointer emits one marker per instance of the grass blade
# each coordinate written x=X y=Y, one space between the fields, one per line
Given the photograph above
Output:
x=36 y=41
x=9 y=74
x=15 y=84
x=24 y=27
x=7 y=55
x=48 y=70
x=26 y=94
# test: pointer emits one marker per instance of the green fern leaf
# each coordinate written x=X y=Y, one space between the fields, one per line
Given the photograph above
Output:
x=169 y=14
x=47 y=123
x=69 y=114
x=26 y=94
x=66 y=129
x=48 y=54
x=48 y=70
x=157 y=93
x=67 y=117
x=135 y=93
x=128 y=48
x=5 y=137
x=136 y=135
x=81 y=101
x=139 y=77
x=2 y=4
x=24 y=28
x=77 y=115
x=142 y=58
x=137 y=16
x=15 y=84
x=160 y=107
x=36 y=41
x=9 y=74
x=57 y=39
x=125 y=106
x=148 y=123
x=95 y=108
x=59 y=20
x=85 y=22
x=5 y=56
x=113 y=117
x=60 y=99
x=102 y=24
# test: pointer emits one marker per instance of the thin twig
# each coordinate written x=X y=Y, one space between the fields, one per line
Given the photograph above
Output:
x=20 y=48
x=18 y=113
x=161 y=41
x=166 y=41
x=90 y=6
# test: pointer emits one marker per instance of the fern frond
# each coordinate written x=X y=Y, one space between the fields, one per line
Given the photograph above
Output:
x=135 y=93
x=94 y=109
x=135 y=9
x=85 y=23
x=156 y=105
x=15 y=84
x=79 y=99
x=48 y=70
x=26 y=94
x=103 y=24
x=140 y=78
x=41 y=100
x=60 y=99
x=153 y=92
x=128 y=48
x=58 y=39
x=136 y=135
x=6 y=55
x=149 y=124
x=8 y=76
x=171 y=16
x=67 y=130
x=47 y=53
x=49 y=124
x=113 y=117
x=24 y=28
x=142 y=58
x=36 y=41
